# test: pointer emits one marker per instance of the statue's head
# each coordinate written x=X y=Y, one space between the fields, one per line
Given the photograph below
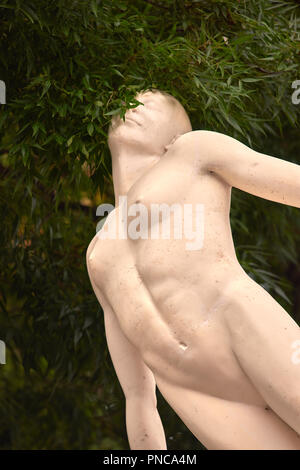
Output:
x=149 y=128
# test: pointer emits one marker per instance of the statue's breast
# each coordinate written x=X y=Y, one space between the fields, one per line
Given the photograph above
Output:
x=109 y=249
x=104 y=246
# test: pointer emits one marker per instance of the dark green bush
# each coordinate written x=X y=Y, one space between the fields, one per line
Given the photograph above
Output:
x=69 y=65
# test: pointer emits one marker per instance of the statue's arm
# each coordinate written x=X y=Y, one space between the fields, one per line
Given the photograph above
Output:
x=256 y=173
x=143 y=423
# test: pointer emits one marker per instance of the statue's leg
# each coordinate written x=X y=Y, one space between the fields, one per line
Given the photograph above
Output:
x=266 y=342
x=228 y=425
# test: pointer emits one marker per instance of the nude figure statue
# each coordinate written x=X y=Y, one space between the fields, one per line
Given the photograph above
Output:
x=192 y=322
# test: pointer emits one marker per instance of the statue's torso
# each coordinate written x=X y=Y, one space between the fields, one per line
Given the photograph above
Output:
x=170 y=301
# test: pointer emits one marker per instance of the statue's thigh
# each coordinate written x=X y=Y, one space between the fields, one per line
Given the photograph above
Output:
x=227 y=425
x=264 y=339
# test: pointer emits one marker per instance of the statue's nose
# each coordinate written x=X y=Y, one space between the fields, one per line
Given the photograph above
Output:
x=131 y=112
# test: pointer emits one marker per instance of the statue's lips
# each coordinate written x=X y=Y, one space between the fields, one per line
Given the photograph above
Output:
x=132 y=120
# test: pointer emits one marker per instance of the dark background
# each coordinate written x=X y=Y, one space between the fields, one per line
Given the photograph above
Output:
x=68 y=67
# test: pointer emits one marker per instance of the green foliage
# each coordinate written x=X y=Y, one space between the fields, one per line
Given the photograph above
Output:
x=68 y=66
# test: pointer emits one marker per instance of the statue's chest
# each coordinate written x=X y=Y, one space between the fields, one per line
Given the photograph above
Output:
x=162 y=194
x=155 y=199
x=164 y=184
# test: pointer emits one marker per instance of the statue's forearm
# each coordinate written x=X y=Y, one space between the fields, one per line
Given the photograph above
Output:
x=144 y=427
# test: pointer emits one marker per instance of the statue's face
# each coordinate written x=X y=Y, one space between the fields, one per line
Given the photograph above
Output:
x=146 y=128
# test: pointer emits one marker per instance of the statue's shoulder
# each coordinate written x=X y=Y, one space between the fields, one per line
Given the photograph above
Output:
x=197 y=136
x=203 y=134
x=193 y=143
x=201 y=140
x=197 y=148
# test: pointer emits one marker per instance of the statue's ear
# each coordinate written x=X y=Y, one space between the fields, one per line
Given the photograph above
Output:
x=172 y=141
